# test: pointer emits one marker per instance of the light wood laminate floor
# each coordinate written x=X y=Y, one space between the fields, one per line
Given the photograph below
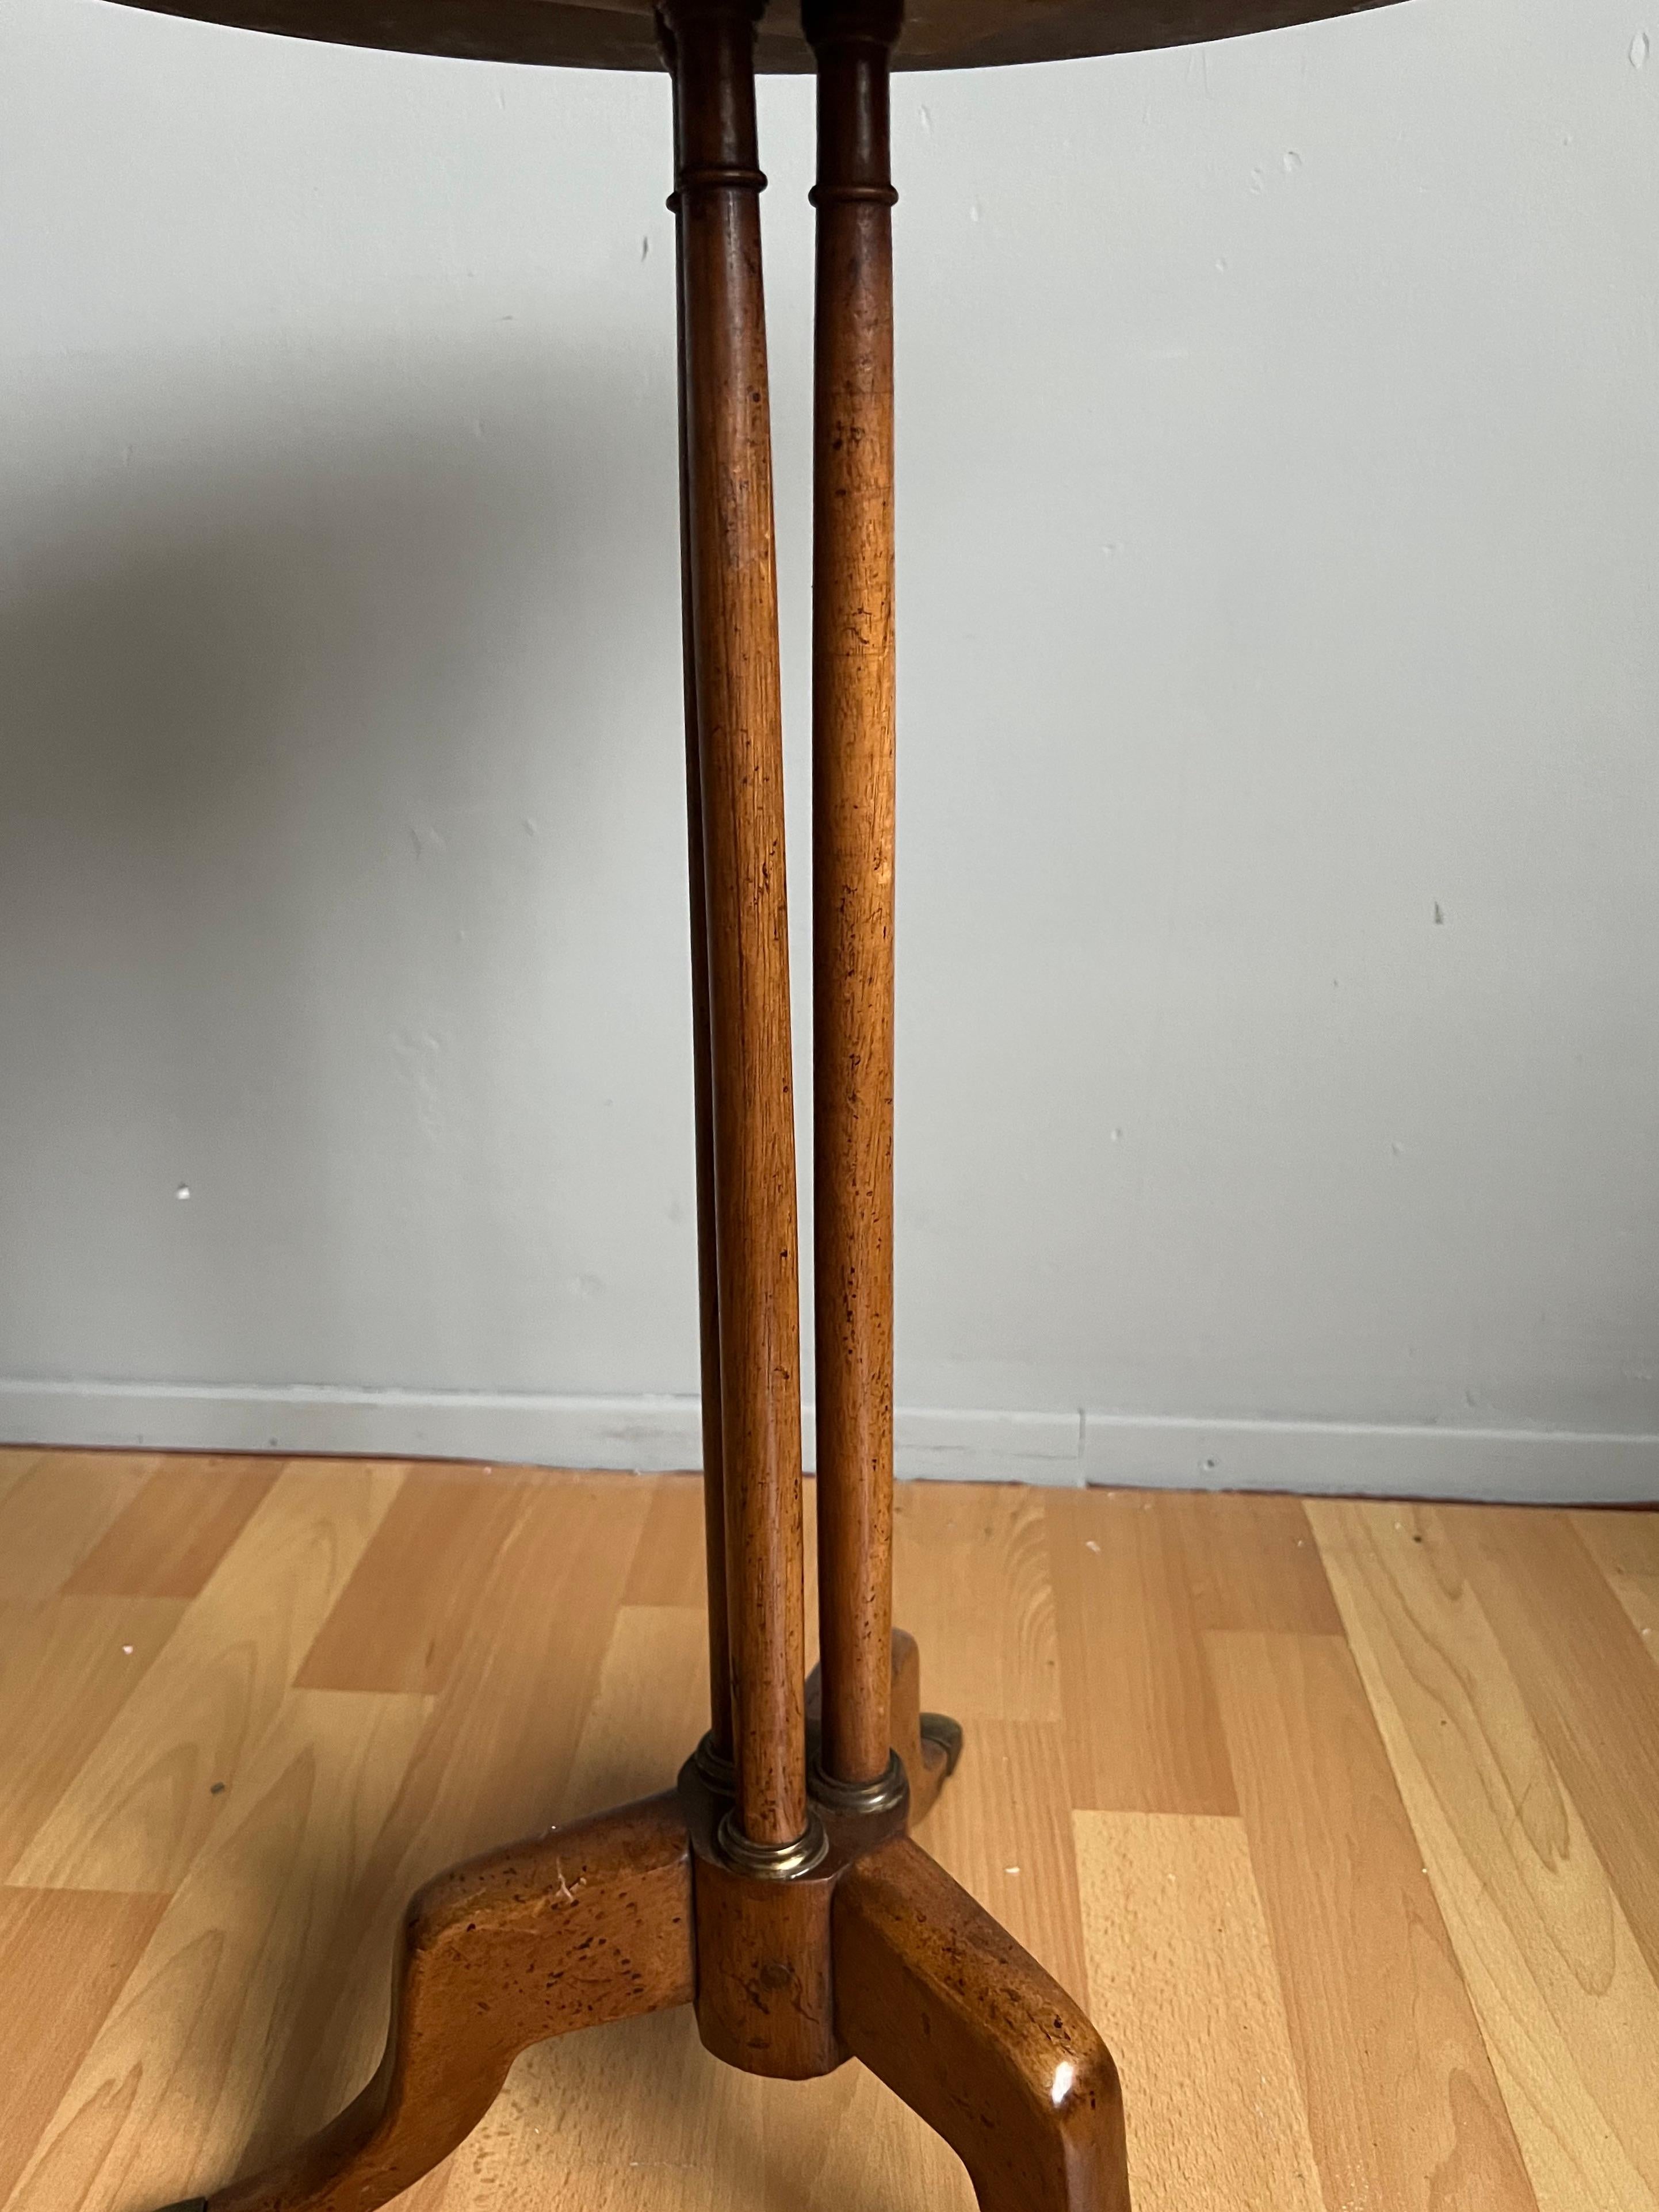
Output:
x=1342 y=1818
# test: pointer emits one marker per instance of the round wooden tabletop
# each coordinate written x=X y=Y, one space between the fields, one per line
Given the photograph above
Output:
x=618 y=33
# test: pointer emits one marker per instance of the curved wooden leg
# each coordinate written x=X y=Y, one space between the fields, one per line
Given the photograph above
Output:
x=967 y=2029
x=930 y=1744
x=587 y=1923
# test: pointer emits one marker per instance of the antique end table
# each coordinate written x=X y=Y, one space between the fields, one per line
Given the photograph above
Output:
x=776 y=1889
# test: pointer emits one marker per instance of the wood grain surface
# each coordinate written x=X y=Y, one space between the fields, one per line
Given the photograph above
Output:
x=618 y=33
x=141 y=1805
x=169 y=1540
x=1579 y=1660
x=853 y=819
x=1340 y=1817
x=67 y=1667
x=1625 y=1546
x=55 y=1509
x=1558 y=1982
x=105 y=1934
x=1186 y=1991
x=717 y=1612
x=731 y=570
x=1131 y=1648
x=1402 y=2105
x=948 y=2009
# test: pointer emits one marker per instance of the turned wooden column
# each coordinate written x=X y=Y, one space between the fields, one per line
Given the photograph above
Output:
x=716 y=1752
x=739 y=748
x=852 y=825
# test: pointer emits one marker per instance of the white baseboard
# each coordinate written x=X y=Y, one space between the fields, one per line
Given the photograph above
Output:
x=654 y=1435
x=659 y=1434
x=931 y=1444
x=1379 y=1460
x=651 y=1434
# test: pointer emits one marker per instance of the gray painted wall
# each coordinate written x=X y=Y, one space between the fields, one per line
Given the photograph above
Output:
x=1278 y=1092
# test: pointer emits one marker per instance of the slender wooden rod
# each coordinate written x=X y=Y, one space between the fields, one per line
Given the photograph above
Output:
x=853 y=829
x=713 y=1467
x=734 y=619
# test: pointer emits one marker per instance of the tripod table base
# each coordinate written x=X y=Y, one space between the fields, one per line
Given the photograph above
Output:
x=878 y=1954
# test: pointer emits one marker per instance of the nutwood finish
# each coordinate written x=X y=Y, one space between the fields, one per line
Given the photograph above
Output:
x=970 y=2031
x=927 y=1744
x=938 y=33
x=588 y=1924
x=765 y=1965
x=777 y=1889
x=739 y=742
x=853 y=830
x=765 y=1999
x=702 y=1069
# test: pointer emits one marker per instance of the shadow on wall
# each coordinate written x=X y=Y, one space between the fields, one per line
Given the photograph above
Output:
x=313 y=717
